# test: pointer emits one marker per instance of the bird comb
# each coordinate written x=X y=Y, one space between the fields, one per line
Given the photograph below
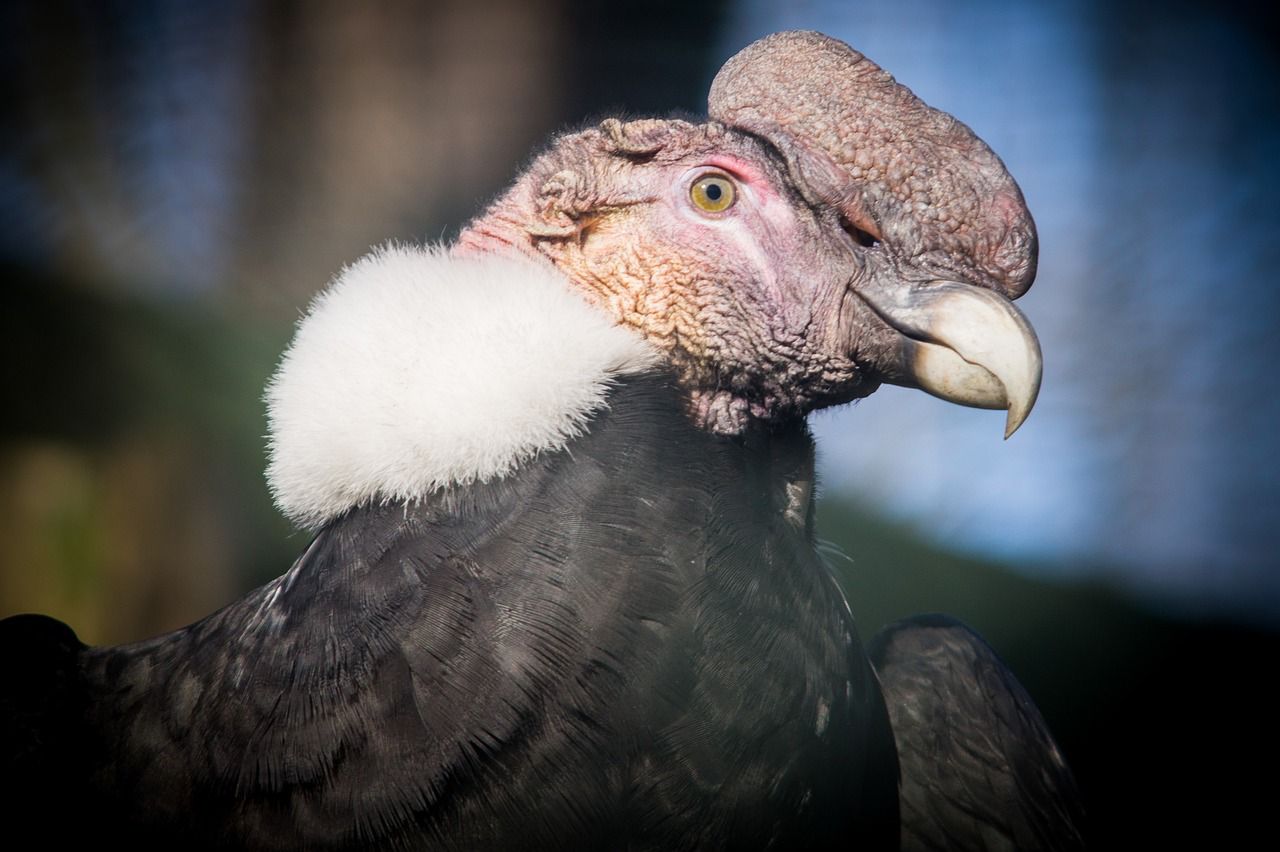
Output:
x=855 y=139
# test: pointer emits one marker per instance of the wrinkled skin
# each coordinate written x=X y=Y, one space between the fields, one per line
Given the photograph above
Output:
x=748 y=334
x=872 y=239
x=937 y=196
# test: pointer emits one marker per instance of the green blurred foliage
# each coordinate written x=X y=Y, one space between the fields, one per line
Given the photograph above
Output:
x=131 y=460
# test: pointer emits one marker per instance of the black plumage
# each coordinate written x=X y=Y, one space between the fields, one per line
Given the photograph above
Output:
x=629 y=644
x=979 y=768
x=607 y=627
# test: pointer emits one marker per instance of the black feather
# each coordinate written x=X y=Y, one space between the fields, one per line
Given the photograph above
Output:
x=631 y=643
x=980 y=770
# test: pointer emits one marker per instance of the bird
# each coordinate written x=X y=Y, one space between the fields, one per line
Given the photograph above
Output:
x=564 y=589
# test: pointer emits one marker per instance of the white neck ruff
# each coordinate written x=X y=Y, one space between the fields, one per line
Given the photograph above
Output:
x=415 y=370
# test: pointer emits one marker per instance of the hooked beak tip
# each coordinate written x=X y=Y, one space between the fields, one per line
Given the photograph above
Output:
x=963 y=343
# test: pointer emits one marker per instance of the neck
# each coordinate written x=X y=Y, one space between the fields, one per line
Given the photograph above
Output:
x=713 y=408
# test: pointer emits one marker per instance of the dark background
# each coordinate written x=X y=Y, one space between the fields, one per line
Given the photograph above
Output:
x=178 y=179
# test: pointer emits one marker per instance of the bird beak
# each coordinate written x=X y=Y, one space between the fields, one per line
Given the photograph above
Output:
x=962 y=343
x=858 y=142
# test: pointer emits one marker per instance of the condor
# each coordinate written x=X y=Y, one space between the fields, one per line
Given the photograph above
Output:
x=563 y=591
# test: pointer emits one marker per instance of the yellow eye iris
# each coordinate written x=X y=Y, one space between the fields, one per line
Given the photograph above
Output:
x=713 y=193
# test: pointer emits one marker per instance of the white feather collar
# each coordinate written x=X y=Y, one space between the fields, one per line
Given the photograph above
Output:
x=415 y=369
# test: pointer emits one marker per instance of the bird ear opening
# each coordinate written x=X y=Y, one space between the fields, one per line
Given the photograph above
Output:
x=565 y=204
x=567 y=200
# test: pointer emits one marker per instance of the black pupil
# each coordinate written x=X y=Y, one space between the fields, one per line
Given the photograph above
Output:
x=714 y=191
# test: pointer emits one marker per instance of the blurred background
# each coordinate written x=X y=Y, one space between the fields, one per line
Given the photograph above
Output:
x=178 y=179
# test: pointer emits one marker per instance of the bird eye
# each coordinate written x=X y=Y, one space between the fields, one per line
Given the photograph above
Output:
x=713 y=193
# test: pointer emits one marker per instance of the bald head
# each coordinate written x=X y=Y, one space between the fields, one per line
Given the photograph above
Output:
x=825 y=232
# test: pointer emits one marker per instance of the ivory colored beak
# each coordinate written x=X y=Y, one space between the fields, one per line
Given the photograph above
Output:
x=964 y=344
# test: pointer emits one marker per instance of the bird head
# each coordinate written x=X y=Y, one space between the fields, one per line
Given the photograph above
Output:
x=824 y=232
